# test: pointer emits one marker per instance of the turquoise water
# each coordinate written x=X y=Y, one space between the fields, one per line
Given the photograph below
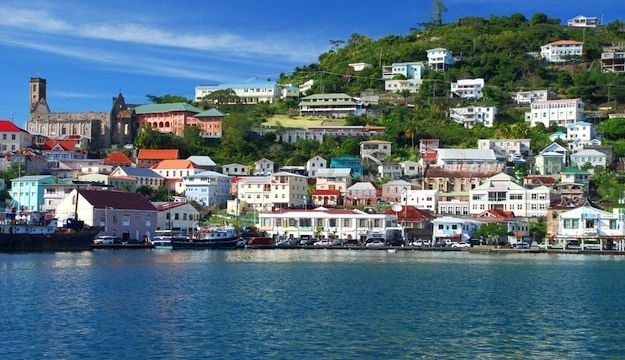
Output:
x=310 y=304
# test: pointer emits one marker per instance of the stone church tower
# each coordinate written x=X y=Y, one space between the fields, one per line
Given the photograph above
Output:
x=123 y=126
x=37 y=97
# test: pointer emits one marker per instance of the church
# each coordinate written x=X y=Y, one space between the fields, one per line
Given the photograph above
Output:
x=96 y=130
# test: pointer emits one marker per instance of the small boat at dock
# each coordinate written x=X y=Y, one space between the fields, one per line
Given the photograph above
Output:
x=210 y=238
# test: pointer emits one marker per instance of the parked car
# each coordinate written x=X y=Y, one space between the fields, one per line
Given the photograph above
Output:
x=397 y=242
x=307 y=242
x=461 y=244
x=523 y=246
x=375 y=243
x=107 y=240
x=352 y=242
x=417 y=243
x=592 y=247
x=573 y=246
x=323 y=243
x=544 y=246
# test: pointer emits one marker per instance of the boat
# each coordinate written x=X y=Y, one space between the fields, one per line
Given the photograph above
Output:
x=260 y=242
x=35 y=231
x=162 y=239
x=212 y=238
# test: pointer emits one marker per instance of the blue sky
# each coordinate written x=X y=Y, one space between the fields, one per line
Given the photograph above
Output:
x=91 y=50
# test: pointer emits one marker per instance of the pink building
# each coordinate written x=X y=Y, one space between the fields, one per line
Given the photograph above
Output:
x=172 y=118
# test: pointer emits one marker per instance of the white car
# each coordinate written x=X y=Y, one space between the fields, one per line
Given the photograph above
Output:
x=323 y=243
x=461 y=244
x=416 y=243
x=106 y=240
x=375 y=243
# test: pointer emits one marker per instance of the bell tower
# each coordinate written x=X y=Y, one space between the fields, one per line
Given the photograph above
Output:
x=37 y=91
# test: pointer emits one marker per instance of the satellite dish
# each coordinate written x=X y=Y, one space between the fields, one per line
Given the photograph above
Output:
x=396 y=207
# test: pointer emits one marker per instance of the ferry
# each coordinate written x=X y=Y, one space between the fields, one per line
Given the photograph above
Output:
x=210 y=238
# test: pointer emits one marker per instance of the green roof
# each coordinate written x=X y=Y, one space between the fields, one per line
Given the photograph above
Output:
x=163 y=108
x=210 y=113
x=574 y=170
x=327 y=103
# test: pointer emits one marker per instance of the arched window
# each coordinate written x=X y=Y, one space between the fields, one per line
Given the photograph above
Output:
x=160 y=124
x=74 y=132
x=63 y=129
x=154 y=125
x=166 y=124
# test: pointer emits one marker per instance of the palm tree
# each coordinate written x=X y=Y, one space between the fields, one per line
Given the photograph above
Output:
x=411 y=131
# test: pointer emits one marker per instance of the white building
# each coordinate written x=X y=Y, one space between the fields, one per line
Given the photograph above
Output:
x=208 y=188
x=263 y=167
x=314 y=164
x=584 y=21
x=503 y=192
x=409 y=168
x=403 y=76
x=306 y=86
x=590 y=156
x=377 y=149
x=235 y=170
x=181 y=217
x=331 y=104
x=558 y=112
x=588 y=225
x=453 y=207
x=334 y=179
x=389 y=170
x=278 y=191
x=13 y=137
x=248 y=93
x=562 y=50
x=173 y=171
x=528 y=97
x=454 y=229
x=468 y=88
x=465 y=157
x=357 y=67
x=325 y=223
x=470 y=116
x=440 y=59
x=507 y=149
x=549 y=163
x=580 y=130
x=421 y=199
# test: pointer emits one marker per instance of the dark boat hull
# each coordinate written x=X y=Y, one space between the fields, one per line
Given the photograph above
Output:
x=74 y=241
x=199 y=244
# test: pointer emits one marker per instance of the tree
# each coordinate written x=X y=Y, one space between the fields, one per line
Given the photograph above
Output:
x=491 y=232
x=539 y=18
x=438 y=10
x=225 y=96
x=168 y=98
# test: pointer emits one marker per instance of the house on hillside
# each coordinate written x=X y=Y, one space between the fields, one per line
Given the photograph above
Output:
x=12 y=137
x=314 y=164
x=149 y=157
x=264 y=167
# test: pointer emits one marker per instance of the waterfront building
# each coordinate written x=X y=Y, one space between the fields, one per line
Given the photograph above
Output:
x=454 y=229
x=246 y=93
x=588 y=225
x=149 y=157
x=181 y=217
x=27 y=192
x=280 y=190
x=440 y=59
x=330 y=105
x=400 y=77
x=314 y=164
x=326 y=223
x=470 y=116
x=125 y=214
x=468 y=88
x=13 y=137
x=555 y=112
x=561 y=51
x=236 y=170
x=53 y=194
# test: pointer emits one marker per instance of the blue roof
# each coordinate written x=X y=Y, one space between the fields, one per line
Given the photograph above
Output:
x=139 y=172
x=33 y=178
x=580 y=123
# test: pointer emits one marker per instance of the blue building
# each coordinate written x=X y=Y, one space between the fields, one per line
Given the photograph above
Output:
x=350 y=162
x=208 y=188
x=27 y=191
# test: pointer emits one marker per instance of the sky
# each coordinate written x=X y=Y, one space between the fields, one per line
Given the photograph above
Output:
x=89 y=51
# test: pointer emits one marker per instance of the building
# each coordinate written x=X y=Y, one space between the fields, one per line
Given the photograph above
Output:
x=580 y=130
x=117 y=158
x=468 y=88
x=376 y=149
x=361 y=194
x=235 y=170
x=246 y=93
x=393 y=191
x=150 y=157
x=417 y=223
x=587 y=225
x=27 y=192
x=174 y=117
x=181 y=217
x=507 y=149
x=504 y=193
x=426 y=145
x=121 y=183
x=26 y=159
x=555 y=112
x=440 y=59
x=208 y=188
x=333 y=179
x=389 y=170
x=326 y=198
x=465 y=157
x=61 y=150
x=558 y=135
x=593 y=158
x=314 y=164
x=326 y=223
x=403 y=76
x=330 y=105
x=173 y=172
x=123 y=214
x=613 y=60
x=549 y=163
x=561 y=51
x=95 y=129
x=144 y=177
x=53 y=194
x=351 y=162
x=281 y=190
x=453 y=205
x=528 y=97
x=358 y=67
x=458 y=178
x=13 y=137
x=254 y=192
x=319 y=133
x=584 y=21
x=409 y=168
x=421 y=199
x=263 y=167
x=470 y=116
x=203 y=162
x=454 y=229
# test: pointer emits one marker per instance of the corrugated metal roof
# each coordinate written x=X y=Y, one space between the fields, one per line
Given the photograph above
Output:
x=466 y=154
x=163 y=108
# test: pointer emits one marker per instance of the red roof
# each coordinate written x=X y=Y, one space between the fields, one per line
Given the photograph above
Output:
x=494 y=213
x=67 y=145
x=170 y=205
x=327 y=193
x=173 y=164
x=9 y=126
x=117 y=158
x=411 y=214
x=566 y=42
x=430 y=155
x=158 y=154
x=324 y=210
x=545 y=180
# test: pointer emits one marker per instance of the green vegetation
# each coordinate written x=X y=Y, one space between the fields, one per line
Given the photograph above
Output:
x=490 y=232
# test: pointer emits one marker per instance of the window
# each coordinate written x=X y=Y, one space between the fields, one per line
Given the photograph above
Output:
x=126 y=220
x=148 y=220
x=102 y=221
x=332 y=222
